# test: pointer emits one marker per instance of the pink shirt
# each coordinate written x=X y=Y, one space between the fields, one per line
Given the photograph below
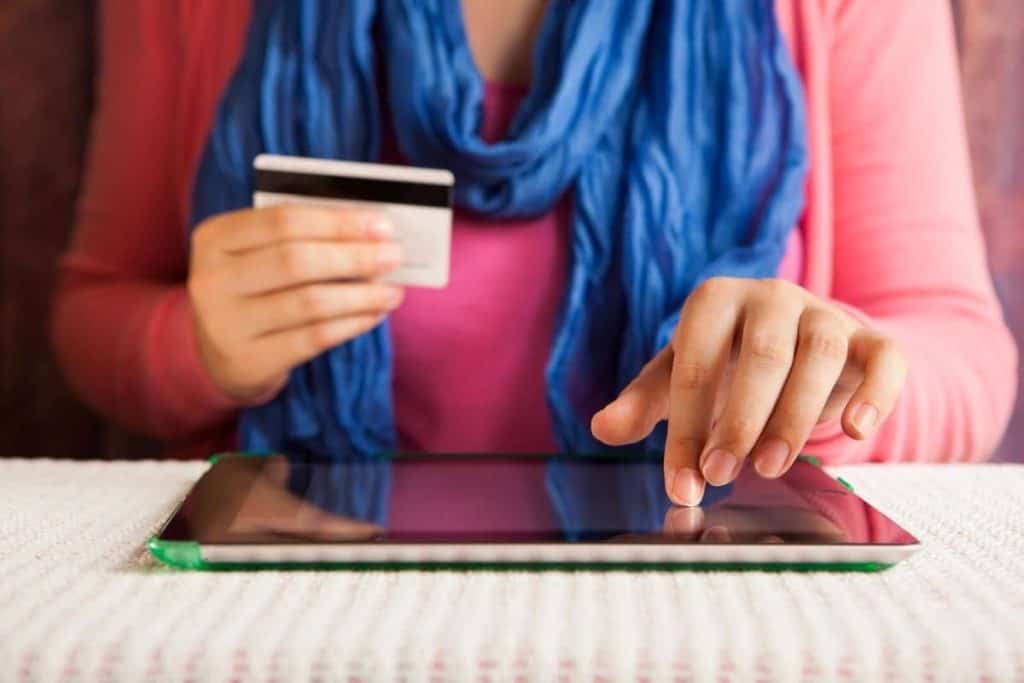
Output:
x=890 y=232
x=469 y=359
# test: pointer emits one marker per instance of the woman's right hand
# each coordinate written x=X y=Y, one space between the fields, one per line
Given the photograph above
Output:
x=274 y=287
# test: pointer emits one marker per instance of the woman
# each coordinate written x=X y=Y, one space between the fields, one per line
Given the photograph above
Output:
x=862 y=328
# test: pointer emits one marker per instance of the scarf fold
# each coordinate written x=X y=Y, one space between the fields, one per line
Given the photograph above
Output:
x=677 y=126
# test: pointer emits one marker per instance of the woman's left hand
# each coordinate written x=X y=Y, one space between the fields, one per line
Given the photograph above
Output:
x=752 y=367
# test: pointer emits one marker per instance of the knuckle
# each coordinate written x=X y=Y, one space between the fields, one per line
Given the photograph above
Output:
x=769 y=349
x=824 y=341
x=776 y=288
x=285 y=221
x=313 y=303
x=318 y=337
x=363 y=259
x=295 y=260
x=714 y=288
x=344 y=260
x=740 y=431
x=690 y=376
x=381 y=298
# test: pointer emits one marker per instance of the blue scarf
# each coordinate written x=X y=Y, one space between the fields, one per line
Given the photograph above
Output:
x=676 y=125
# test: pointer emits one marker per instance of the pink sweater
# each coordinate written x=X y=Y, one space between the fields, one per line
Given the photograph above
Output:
x=890 y=232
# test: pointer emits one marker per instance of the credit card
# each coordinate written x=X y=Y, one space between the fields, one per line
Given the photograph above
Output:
x=418 y=202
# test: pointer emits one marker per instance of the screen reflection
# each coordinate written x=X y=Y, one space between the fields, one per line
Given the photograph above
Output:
x=275 y=499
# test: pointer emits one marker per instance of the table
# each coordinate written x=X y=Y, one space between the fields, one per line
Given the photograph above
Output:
x=81 y=600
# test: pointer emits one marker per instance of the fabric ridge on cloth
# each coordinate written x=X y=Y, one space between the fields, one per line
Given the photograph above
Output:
x=80 y=599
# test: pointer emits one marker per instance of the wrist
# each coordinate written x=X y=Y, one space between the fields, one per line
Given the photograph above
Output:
x=210 y=362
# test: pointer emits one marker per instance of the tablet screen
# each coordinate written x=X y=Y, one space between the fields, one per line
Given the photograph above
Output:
x=280 y=500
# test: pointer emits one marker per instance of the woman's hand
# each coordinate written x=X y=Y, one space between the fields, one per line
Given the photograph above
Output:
x=752 y=367
x=272 y=288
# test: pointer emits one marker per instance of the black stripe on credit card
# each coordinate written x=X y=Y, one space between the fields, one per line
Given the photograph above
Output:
x=357 y=189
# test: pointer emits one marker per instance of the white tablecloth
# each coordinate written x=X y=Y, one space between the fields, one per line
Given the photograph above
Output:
x=81 y=600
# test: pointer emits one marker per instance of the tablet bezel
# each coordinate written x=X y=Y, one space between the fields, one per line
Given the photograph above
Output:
x=389 y=554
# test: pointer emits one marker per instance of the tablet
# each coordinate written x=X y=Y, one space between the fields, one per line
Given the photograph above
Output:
x=253 y=512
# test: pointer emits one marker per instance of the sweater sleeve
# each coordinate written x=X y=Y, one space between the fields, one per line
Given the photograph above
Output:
x=122 y=320
x=909 y=255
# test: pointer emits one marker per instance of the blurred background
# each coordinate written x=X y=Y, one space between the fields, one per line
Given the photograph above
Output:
x=46 y=69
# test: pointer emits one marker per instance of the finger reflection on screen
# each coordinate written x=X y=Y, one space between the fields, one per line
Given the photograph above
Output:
x=627 y=502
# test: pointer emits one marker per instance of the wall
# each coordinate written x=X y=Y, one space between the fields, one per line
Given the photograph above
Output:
x=991 y=36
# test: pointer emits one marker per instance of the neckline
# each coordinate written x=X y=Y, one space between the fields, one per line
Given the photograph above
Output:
x=456 y=24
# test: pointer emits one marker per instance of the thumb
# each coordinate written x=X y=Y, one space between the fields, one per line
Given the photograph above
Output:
x=640 y=406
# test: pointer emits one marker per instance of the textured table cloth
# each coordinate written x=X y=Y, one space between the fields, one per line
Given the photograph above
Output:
x=81 y=600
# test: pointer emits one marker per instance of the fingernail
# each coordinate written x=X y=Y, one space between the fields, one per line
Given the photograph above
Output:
x=770 y=457
x=719 y=466
x=687 y=487
x=389 y=255
x=864 y=417
x=378 y=225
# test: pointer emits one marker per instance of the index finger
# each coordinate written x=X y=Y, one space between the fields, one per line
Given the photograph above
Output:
x=255 y=228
